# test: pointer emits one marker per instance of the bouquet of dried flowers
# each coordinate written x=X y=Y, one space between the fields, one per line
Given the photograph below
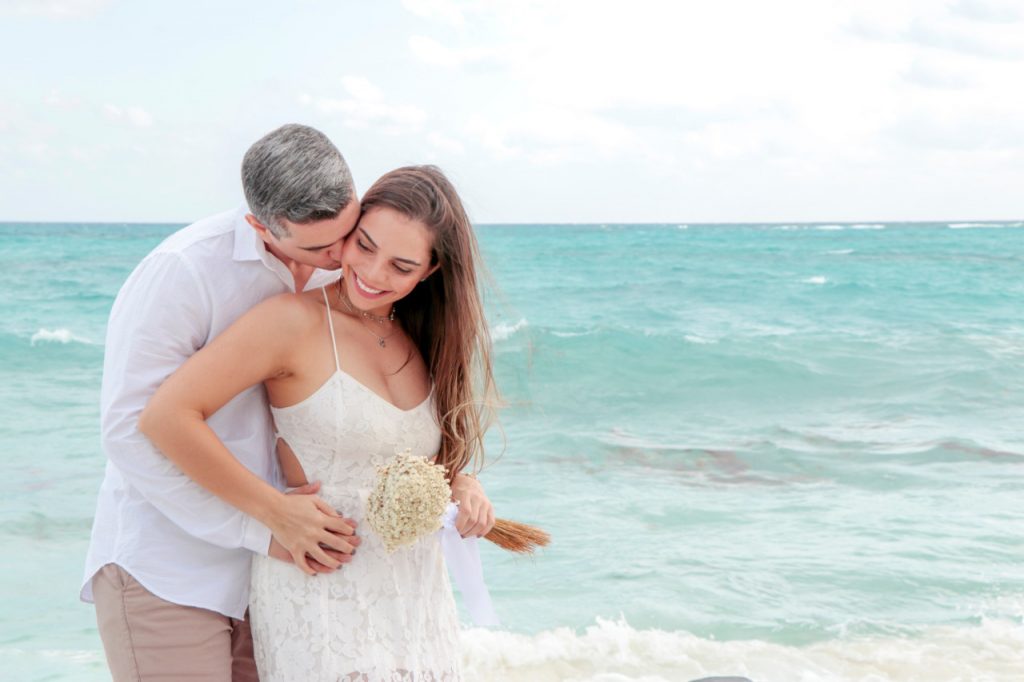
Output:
x=409 y=500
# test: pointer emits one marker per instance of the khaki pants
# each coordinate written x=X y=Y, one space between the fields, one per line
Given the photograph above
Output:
x=148 y=639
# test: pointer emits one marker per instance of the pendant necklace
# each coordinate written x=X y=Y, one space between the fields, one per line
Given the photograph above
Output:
x=363 y=315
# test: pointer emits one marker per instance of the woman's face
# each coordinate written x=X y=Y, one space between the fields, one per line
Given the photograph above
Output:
x=384 y=259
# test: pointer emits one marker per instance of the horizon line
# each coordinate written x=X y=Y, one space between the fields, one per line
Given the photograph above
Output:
x=573 y=223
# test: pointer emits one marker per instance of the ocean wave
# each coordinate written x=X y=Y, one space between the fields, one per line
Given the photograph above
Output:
x=503 y=331
x=881 y=438
x=977 y=226
x=867 y=226
x=972 y=449
x=61 y=335
x=613 y=650
x=830 y=228
x=840 y=252
x=700 y=340
x=572 y=335
x=1007 y=347
x=817 y=279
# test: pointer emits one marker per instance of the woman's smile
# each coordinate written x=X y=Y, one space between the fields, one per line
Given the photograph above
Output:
x=365 y=289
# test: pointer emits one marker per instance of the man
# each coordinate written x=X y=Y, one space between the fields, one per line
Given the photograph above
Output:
x=168 y=563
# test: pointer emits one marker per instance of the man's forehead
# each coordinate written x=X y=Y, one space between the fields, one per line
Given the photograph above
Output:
x=319 y=233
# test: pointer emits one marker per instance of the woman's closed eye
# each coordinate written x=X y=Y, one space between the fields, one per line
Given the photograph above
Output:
x=369 y=249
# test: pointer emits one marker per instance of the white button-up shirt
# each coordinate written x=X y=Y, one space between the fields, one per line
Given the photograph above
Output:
x=181 y=542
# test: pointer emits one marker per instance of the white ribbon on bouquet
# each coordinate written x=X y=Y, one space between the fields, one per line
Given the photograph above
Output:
x=463 y=558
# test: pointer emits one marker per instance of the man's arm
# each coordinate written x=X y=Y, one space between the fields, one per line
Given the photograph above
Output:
x=160 y=318
x=262 y=344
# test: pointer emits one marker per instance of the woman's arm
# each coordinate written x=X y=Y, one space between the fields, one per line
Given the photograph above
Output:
x=476 y=514
x=257 y=347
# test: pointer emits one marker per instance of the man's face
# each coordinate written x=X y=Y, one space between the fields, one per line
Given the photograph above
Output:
x=317 y=244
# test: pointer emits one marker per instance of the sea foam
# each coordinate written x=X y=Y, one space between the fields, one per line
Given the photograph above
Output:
x=503 y=330
x=979 y=226
x=613 y=650
x=61 y=335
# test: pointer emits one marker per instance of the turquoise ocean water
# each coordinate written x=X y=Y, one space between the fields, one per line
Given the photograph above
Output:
x=793 y=452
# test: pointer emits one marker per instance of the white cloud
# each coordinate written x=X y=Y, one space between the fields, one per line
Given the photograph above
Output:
x=433 y=52
x=446 y=11
x=787 y=82
x=445 y=144
x=985 y=30
x=931 y=73
x=362 y=89
x=552 y=135
x=37 y=150
x=430 y=51
x=55 y=99
x=848 y=107
x=134 y=115
x=366 y=108
x=54 y=9
x=999 y=11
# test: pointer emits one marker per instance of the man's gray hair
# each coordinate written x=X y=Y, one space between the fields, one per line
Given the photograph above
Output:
x=295 y=173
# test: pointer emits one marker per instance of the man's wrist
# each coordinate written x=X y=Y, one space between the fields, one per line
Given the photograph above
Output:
x=256 y=536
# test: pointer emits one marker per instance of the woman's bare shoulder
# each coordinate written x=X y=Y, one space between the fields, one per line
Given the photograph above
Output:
x=288 y=314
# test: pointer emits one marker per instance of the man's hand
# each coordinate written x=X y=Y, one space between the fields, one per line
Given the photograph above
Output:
x=476 y=514
x=309 y=530
x=278 y=551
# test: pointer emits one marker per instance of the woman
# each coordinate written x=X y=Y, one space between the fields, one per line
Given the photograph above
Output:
x=384 y=361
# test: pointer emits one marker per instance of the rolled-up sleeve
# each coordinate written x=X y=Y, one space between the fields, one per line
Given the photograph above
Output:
x=160 y=318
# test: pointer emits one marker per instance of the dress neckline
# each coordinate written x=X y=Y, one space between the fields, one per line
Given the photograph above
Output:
x=345 y=375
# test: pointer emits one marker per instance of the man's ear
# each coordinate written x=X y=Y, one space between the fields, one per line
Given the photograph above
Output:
x=262 y=230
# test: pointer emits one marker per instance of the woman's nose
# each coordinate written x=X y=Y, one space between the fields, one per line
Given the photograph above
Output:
x=376 y=271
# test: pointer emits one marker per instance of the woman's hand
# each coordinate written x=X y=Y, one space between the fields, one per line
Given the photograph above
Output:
x=312 y=534
x=476 y=514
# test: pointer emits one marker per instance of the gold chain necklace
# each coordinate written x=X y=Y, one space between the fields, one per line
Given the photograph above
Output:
x=381 y=340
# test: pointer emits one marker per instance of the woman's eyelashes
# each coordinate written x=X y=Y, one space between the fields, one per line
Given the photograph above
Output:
x=367 y=249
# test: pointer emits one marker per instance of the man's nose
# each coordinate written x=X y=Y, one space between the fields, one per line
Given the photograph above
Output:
x=334 y=251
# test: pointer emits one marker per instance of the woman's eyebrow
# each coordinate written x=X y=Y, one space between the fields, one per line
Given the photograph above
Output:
x=410 y=261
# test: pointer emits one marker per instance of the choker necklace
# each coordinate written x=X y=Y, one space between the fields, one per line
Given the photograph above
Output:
x=379 y=319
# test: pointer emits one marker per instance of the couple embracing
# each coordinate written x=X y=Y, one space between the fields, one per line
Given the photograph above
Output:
x=259 y=366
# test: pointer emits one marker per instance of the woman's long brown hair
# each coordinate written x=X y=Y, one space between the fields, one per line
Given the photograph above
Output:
x=444 y=315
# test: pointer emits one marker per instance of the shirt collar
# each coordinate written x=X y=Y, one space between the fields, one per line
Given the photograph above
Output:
x=247 y=243
x=249 y=247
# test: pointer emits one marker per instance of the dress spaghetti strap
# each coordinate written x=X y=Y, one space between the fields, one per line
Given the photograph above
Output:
x=330 y=325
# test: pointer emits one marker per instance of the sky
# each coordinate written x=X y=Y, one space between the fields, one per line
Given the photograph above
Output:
x=553 y=111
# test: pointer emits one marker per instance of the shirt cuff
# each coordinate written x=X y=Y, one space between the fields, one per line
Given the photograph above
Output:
x=256 y=537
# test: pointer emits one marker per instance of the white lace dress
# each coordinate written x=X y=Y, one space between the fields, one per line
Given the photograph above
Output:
x=382 y=616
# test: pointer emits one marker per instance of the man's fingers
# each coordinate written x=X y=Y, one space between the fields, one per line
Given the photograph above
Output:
x=320 y=555
x=340 y=557
x=300 y=560
x=307 y=489
x=341 y=543
x=319 y=567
